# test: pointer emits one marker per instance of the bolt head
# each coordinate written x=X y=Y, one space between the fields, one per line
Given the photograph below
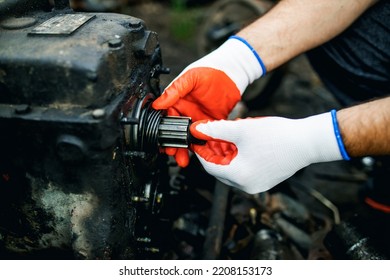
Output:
x=115 y=43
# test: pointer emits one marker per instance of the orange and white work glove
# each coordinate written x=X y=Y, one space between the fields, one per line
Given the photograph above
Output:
x=210 y=87
x=255 y=154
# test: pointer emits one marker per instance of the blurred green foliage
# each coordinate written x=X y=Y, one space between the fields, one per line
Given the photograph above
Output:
x=184 y=20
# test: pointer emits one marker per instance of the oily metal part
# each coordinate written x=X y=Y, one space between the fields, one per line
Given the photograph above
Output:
x=147 y=129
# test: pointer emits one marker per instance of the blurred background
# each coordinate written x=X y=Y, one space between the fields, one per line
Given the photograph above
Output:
x=306 y=217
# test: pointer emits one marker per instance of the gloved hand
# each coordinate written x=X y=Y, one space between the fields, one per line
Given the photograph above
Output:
x=255 y=154
x=210 y=87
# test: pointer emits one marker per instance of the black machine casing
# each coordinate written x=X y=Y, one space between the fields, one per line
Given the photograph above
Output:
x=69 y=184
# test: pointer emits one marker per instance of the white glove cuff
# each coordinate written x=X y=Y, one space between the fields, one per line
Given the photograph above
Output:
x=301 y=142
x=237 y=59
x=319 y=138
x=340 y=142
x=254 y=52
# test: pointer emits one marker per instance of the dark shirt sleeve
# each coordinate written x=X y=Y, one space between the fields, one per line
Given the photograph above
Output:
x=355 y=65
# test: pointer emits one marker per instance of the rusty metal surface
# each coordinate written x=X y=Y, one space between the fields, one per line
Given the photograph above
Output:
x=67 y=182
x=98 y=70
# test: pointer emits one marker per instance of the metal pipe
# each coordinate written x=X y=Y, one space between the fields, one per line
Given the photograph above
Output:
x=214 y=233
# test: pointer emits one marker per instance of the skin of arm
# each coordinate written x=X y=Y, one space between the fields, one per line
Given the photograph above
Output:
x=365 y=128
x=294 y=26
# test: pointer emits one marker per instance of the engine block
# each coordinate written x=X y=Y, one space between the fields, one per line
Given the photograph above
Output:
x=69 y=183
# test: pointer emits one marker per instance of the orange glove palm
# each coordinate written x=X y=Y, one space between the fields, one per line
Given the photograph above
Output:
x=210 y=87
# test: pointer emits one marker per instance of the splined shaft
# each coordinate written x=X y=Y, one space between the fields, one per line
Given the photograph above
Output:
x=147 y=129
x=174 y=132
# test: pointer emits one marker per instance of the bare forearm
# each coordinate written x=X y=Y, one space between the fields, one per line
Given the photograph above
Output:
x=295 y=26
x=365 y=128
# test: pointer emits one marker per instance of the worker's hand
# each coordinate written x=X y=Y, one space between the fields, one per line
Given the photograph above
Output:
x=210 y=87
x=255 y=154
